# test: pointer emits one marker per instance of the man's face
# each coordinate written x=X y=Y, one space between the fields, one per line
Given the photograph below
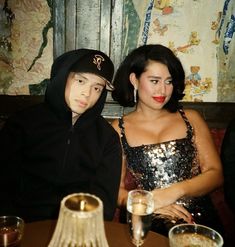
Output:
x=82 y=91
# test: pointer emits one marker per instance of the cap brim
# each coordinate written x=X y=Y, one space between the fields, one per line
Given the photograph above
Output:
x=109 y=86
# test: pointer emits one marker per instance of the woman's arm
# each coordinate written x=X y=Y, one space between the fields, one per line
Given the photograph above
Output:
x=122 y=195
x=211 y=176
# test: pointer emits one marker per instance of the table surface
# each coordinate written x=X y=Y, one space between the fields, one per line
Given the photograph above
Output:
x=38 y=234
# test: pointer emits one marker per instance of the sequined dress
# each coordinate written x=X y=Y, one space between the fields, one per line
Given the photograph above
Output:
x=162 y=164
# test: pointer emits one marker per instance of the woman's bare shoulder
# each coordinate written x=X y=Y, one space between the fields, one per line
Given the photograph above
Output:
x=114 y=123
x=126 y=118
x=195 y=117
x=194 y=114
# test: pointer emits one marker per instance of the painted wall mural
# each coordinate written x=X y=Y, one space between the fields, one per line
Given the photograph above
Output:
x=26 y=46
x=226 y=54
x=201 y=33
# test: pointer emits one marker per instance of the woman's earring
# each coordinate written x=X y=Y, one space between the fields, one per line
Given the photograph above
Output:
x=135 y=95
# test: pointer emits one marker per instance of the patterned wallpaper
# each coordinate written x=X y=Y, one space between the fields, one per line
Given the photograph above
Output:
x=201 y=33
x=26 y=46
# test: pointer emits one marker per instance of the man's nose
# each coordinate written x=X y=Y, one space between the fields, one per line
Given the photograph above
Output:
x=86 y=91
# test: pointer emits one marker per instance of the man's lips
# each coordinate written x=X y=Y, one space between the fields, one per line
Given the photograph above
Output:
x=159 y=99
x=81 y=103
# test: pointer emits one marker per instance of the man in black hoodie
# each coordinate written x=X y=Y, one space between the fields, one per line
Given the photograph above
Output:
x=63 y=145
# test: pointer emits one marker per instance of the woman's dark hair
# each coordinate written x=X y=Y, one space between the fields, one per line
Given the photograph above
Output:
x=136 y=62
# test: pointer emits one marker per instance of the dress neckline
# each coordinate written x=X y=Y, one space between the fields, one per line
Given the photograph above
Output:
x=189 y=133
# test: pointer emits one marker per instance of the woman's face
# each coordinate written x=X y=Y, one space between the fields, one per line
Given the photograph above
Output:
x=82 y=91
x=154 y=85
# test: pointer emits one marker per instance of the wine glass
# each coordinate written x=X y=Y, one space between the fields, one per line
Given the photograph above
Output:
x=194 y=235
x=11 y=231
x=140 y=206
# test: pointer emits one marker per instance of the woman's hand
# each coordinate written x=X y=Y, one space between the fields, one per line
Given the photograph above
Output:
x=165 y=203
x=175 y=211
x=122 y=197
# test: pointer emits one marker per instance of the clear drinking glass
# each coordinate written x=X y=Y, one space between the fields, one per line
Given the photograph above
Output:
x=194 y=235
x=140 y=206
x=11 y=231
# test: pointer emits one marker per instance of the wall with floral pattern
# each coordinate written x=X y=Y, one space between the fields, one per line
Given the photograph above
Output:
x=200 y=32
x=26 y=46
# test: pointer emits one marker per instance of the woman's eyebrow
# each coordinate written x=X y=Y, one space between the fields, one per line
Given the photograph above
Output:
x=159 y=77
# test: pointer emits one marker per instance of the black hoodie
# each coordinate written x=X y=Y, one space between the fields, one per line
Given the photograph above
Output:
x=44 y=157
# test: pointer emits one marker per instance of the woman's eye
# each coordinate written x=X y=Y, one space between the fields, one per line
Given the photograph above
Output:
x=154 y=81
x=168 y=82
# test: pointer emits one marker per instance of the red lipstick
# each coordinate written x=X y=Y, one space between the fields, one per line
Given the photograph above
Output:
x=159 y=99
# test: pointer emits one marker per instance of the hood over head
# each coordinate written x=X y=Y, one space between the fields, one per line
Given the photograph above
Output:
x=81 y=60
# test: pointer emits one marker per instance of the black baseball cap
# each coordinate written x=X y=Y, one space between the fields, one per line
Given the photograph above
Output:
x=95 y=62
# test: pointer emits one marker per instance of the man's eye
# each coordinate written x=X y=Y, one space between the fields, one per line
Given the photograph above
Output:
x=80 y=81
x=98 y=89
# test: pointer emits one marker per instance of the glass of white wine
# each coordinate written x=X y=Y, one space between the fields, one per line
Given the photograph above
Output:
x=140 y=206
x=194 y=235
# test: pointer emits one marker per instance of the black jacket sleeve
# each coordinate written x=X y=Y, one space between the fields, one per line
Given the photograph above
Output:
x=107 y=179
x=10 y=159
x=228 y=161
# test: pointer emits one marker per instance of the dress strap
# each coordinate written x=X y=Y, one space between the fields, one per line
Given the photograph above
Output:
x=120 y=125
x=189 y=126
x=123 y=136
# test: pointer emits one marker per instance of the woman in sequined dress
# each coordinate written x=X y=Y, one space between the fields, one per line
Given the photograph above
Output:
x=166 y=149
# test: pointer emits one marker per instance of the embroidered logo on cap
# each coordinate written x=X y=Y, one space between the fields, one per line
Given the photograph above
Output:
x=97 y=60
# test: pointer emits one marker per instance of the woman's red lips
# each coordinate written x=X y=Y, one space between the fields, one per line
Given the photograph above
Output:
x=159 y=99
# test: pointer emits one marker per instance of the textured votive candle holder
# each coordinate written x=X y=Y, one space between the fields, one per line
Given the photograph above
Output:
x=80 y=222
